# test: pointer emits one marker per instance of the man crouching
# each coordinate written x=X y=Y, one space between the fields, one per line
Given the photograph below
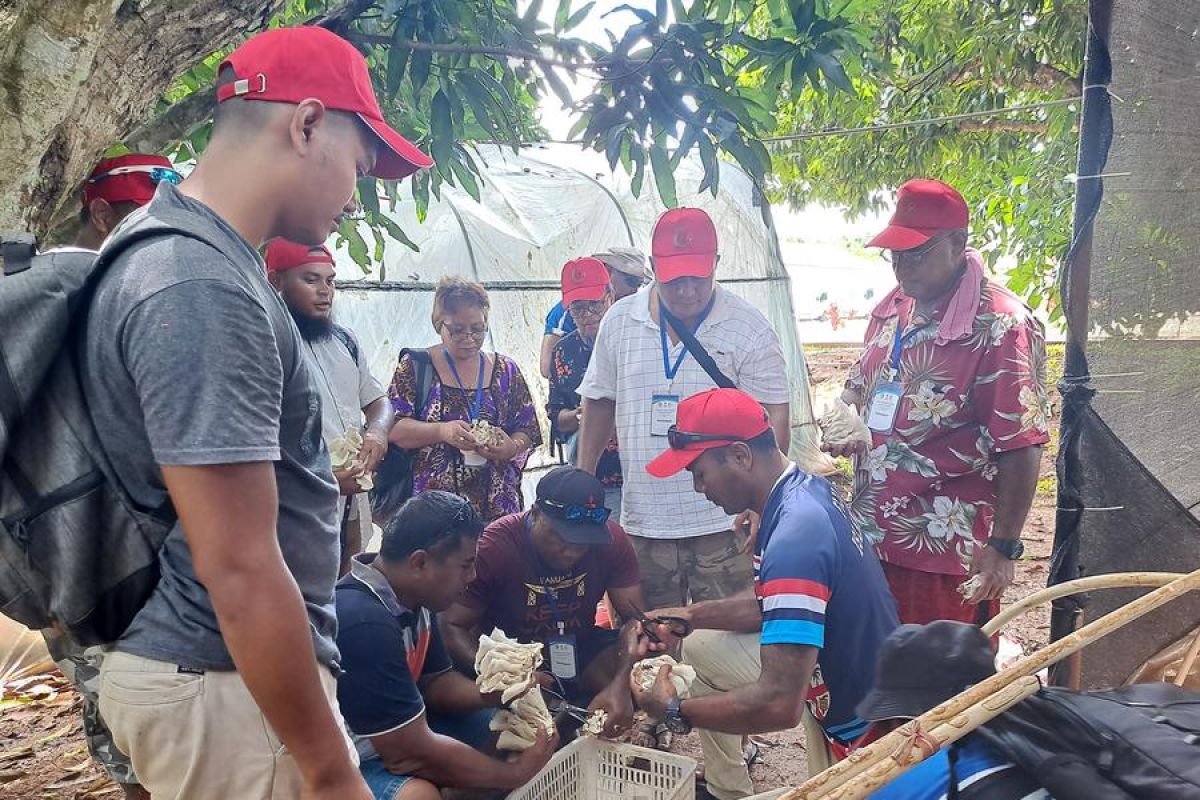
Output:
x=417 y=723
x=812 y=627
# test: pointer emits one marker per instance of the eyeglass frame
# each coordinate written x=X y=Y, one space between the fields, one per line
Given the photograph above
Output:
x=679 y=440
x=913 y=253
x=469 y=333
x=574 y=512
x=594 y=308
x=155 y=175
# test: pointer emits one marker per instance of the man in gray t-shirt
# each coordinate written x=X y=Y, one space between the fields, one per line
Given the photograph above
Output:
x=223 y=685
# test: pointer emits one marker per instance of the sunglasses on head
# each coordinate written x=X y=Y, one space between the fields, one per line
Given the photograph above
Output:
x=156 y=174
x=597 y=515
x=679 y=440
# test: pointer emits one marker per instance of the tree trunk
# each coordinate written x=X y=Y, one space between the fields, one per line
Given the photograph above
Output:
x=77 y=75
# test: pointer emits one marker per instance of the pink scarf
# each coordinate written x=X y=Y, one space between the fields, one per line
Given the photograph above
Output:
x=958 y=320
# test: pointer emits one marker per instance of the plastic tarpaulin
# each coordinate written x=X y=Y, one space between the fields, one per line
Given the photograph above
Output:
x=1129 y=462
x=538 y=209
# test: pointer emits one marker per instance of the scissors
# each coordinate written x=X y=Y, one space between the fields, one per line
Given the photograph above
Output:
x=558 y=706
x=678 y=626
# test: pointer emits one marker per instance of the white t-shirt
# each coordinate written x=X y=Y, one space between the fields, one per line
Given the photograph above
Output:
x=346 y=388
x=627 y=366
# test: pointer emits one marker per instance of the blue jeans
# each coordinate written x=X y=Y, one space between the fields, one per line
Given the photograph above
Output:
x=471 y=729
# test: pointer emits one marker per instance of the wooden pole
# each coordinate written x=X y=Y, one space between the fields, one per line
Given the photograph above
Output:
x=1185 y=668
x=1114 y=580
x=860 y=761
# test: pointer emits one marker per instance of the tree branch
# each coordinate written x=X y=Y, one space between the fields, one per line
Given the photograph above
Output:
x=176 y=123
x=466 y=49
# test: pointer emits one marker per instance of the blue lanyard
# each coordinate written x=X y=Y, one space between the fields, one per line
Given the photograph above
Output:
x=662 y=335
x=473 y=407
x=559 y=622
x=899 y=342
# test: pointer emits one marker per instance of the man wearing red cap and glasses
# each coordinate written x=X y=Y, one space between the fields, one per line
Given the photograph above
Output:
x=640 y=370
x=811 y=627
x=952 y=386
x=356 y=416
x=587 y=294
x=223 y=686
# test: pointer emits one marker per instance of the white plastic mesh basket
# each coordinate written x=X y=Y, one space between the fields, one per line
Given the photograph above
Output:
x=592 y=769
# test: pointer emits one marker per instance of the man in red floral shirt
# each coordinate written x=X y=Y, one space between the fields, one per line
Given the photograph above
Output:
x=952 y=386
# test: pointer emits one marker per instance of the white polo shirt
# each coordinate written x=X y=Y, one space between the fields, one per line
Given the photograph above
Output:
x=627 y=366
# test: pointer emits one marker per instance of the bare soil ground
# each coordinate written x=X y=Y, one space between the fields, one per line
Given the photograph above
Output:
x=43 y=754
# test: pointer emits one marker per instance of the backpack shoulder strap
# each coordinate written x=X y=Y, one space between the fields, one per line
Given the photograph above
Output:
x=17 y=250
x=697 y=350
x=423 y=369
x=347 y=339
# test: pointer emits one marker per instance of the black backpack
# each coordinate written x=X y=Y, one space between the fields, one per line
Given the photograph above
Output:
x=76 y=553
x=394 y=478
x=1140 y=741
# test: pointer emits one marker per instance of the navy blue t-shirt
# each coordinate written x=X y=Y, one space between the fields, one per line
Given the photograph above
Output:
x=386 y=649
x=819 y=585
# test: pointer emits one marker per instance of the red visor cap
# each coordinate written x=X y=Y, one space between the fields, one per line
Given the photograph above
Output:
x=924 y=208
x=684 y=245
x=584 y=279
x=717 y=412
x=130 y=187
x=290 y=65
x=283 y=255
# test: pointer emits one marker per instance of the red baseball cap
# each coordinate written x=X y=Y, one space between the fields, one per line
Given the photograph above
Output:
x=684 y=245
x=283 y=255
x=924 y=208
x=716 y=418
x=290 y=65
x=584 y=279
x=131 y=178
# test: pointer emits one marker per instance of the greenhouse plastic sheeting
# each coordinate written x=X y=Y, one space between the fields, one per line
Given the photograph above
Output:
x=1129 y=464
x=538 y=209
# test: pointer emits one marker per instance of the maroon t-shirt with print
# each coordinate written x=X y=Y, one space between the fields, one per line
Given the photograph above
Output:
x=511 y=590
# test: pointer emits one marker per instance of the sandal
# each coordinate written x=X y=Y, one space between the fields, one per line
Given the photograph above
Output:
x=655 y=736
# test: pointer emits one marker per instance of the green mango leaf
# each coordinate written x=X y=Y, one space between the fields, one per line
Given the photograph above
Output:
x=664 y=177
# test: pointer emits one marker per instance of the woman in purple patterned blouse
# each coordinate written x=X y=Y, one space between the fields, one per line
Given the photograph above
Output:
x=468 y=386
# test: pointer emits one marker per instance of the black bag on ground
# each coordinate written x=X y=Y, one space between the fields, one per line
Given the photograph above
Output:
x=75 y=552
x=1140 y=741
x=394 y=478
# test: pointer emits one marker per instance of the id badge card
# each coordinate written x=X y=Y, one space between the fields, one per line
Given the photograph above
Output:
x=885 y=402
x=662 y=413
x=562 y=657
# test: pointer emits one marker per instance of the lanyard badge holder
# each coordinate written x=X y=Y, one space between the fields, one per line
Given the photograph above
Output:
x=664 y=406
x=885 y=400
x=564 y=660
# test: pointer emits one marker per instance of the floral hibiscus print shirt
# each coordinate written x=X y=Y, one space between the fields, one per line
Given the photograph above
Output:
x=923 y=494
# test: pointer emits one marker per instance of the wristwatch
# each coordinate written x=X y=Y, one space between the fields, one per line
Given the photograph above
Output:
x=1012 y=549
x=674 y=719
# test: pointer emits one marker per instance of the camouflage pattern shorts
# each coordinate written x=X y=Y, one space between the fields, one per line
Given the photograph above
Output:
x=676 y=572
x=81 y=666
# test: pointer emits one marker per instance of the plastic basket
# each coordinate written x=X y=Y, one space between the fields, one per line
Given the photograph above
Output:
x=592 y=769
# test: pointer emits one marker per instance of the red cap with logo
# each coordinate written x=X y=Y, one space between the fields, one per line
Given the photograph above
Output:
x=131 y=178
x=924 y=208
x=684 y=245
x=584 y=279
x=283 y=255
x=716 y=418
x=290 y=65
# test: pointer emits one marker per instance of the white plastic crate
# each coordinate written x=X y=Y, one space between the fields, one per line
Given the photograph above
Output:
x=592 y=769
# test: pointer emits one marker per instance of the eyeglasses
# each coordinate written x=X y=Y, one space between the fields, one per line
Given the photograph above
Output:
x=460 y=333
x=679 y=440
x=597 y=515
x=157 y=174
x=913 y=254
x=587 y=308
x=636 y=281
